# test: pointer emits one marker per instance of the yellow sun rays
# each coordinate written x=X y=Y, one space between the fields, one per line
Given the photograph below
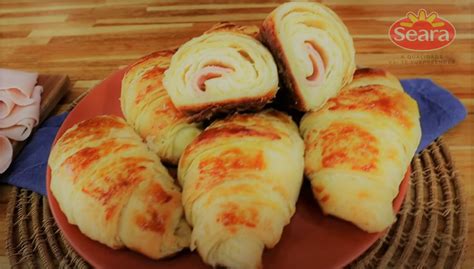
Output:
x=422 y=16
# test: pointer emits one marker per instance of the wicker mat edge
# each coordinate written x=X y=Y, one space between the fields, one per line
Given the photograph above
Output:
x=430 y=230
x=429 y=233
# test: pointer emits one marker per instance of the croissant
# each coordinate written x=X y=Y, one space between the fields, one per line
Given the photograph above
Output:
x=241 y=178
x=358 y=148
x=225 y=69
x=115 y=190
x=148 y=108
x=313 y=49
x=373 y=76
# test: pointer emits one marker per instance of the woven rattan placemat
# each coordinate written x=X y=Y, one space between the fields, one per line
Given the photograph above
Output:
x=429 y=233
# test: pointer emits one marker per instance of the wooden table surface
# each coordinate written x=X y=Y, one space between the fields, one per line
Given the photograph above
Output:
x=88 y=40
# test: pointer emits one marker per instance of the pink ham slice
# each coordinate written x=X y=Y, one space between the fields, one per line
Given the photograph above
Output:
x=6 y=153
x=25 y=81
x=318 y=75
x=16 y=88
x=208 y=72
x=22 y=119
x=20 y=131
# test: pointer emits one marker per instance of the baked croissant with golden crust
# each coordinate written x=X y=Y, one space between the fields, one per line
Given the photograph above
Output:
x=374 y=76
x=241 y=178
x=358 y=148
x=115 y=190
x=148 y=108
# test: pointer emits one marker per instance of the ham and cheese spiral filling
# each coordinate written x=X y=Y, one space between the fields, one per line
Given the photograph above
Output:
x=317 y=76
x=226 y=68
x=314 y=50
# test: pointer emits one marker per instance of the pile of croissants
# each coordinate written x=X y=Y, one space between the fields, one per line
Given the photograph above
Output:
x=217 y=107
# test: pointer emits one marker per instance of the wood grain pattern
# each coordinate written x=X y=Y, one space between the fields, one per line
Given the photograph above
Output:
x=90 y=39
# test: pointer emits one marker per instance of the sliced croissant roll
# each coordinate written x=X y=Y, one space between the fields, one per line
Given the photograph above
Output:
x=115 y=190
x=313 y=49
x=148 y=108
x=358 y=148
x=224 y=69
x=241 y=178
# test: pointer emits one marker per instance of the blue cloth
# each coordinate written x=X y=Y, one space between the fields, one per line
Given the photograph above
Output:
x=28 y=170
x=439 y=110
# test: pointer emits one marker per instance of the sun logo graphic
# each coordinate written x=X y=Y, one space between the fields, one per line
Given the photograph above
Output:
x=422 y=31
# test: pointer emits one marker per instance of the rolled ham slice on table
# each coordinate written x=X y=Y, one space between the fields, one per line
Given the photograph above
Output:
x=20 y=103
x=26 y=116
x=16 y=88
x=19 y=132
x=6 y=152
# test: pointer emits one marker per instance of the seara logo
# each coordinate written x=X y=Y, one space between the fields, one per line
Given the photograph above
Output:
x=422 y=31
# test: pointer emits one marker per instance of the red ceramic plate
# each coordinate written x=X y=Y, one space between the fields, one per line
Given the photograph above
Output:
x=311 y=240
